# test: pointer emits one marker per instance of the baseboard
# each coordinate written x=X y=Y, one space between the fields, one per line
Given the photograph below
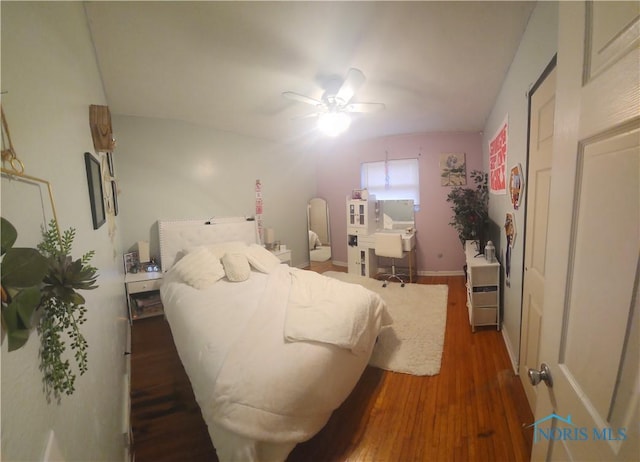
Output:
x=441 y=273
x=340 y=263
x=510 y=352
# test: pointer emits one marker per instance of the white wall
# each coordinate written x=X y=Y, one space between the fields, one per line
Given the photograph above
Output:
x=536 y=50
x=51 y=76
x=175 y=170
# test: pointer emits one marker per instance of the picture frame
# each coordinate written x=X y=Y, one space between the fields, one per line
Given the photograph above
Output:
x=114 y=195
x=516 y=186
x=131 y=262
x=453 y=169
x=110 y=164
x=96 y=194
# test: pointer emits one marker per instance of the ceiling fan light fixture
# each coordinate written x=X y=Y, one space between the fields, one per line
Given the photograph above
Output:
x=333 y=123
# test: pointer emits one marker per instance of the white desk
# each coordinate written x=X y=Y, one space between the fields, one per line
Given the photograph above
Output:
x=364 y=253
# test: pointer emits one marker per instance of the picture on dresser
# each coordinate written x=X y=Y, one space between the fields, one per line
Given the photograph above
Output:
x=131 y=262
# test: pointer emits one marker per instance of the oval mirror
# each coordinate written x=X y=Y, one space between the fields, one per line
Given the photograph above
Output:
x=319 y=235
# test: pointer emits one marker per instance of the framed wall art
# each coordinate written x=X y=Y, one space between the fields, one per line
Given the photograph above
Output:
x=516 y=186
x=498 y=159
x=453 y=169
x=96 y=195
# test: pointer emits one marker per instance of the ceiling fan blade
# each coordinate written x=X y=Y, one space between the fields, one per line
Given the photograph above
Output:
x=355 y=78
x=301 y=98
x=307 y=116
x=364 y=107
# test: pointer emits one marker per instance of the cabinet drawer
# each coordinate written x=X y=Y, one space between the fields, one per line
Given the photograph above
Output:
x=482 y=316
x=144 y=286
x=482 y=276
x=489 y=297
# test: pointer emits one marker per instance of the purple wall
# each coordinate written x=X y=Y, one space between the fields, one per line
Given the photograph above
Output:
x=438 y=247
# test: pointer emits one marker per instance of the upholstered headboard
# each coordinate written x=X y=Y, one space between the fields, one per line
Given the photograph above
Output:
x=177 y=235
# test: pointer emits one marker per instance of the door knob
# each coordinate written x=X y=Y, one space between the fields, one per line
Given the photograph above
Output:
x=544 y=375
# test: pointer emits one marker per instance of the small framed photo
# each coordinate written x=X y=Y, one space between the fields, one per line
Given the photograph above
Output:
x=356 y=194
x=110 y=163
x=131 y=262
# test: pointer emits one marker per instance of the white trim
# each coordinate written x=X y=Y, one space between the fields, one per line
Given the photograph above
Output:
x=510 y=350
x=441 y=273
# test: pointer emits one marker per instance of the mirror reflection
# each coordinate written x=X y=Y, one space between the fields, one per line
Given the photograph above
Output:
x=396 y=214
x=319 y=234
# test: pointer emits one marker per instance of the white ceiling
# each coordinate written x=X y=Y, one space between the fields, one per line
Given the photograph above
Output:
x=437 y=66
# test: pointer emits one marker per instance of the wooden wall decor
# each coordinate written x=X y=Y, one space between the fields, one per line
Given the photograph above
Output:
x=101 y=131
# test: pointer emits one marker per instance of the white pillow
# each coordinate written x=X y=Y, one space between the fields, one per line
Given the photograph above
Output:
x=219 y=250
x=236 y=267
x=261 y=259
x=200 y=268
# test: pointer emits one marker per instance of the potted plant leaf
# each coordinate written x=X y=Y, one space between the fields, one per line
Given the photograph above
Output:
x=23 y=270
x=470 y=207
x=47 y=280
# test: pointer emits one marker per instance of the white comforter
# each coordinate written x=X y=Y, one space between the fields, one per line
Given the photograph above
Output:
x=261 y=355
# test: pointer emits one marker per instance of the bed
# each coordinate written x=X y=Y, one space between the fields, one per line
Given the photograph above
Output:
x=270 y=355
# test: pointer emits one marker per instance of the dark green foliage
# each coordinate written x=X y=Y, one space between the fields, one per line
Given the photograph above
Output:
x=470 y=207
x=22 y=272
x=64 y=311
x=47 y=280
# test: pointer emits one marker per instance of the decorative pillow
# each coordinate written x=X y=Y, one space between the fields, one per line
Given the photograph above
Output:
x=200 y=268
x=261 y=259
x=219 y=250
x=236 y=267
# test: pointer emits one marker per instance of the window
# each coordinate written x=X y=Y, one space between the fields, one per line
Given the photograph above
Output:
x=392 y=179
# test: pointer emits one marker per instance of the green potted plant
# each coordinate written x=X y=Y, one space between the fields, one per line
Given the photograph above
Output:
x=470 y=207
x=47 y=281
x=23 y=270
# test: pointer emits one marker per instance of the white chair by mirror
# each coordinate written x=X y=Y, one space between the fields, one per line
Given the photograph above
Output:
x=390 y=245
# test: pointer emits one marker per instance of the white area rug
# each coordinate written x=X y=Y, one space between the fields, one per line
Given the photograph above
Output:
x=320 y=254
x=413 y=343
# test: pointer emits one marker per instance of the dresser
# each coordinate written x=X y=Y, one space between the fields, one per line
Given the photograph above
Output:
x=483 y=289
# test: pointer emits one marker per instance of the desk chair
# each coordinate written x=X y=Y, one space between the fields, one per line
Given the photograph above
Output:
x=390 y=245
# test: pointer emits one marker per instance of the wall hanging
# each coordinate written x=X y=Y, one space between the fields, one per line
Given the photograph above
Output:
x=96 y=195
x=498 y=159
x=516 y=186
x=44 y=281
x=453 y=169
x=101 y=131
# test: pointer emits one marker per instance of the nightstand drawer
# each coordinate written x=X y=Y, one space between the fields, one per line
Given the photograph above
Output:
x=144 y=286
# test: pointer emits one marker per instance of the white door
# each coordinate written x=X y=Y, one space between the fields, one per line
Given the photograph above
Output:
x=542 y=112
x=589 y=336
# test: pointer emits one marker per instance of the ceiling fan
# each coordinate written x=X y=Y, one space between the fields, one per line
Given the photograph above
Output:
x=332 y=110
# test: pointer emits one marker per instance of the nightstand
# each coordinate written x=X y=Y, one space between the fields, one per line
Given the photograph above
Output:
x=143 y=294
x=283 y=255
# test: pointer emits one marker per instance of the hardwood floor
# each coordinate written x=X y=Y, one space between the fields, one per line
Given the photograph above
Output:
x=474 y=410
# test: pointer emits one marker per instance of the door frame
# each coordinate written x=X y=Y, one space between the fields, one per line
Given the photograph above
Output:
x=545 y=73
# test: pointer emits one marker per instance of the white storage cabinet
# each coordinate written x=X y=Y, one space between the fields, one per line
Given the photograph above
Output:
x=483 y=289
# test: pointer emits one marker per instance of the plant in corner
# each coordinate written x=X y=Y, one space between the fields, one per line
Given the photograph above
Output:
x=46 y=280
x=471 y=209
